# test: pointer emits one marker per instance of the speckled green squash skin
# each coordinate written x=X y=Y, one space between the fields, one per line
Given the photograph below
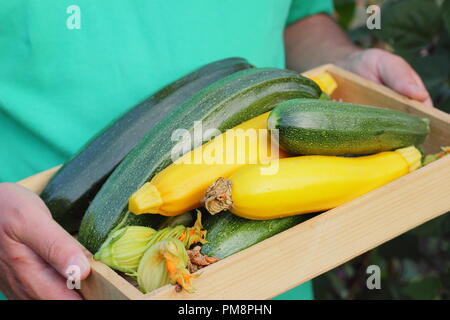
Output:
x=228 y=234
x=336 y=128
x=223 y=105
x=69 y=192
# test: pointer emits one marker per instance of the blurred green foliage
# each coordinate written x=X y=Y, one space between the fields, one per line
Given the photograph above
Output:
x=415 y=265
x=345 y=10
x=419 y=31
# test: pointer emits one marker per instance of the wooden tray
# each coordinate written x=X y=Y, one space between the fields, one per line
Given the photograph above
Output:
x=323 y=242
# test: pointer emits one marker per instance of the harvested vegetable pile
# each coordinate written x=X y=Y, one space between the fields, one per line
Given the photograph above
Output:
x=138 y=184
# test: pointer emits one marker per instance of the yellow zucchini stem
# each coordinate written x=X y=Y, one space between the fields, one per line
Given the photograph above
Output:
x=146 y=197
x=326 y=82
x=412 y=157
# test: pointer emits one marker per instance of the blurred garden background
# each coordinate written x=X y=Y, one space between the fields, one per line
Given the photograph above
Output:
x=415 y=265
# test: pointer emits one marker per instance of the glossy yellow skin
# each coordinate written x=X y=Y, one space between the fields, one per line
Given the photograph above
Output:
x=326 y=82
x=311 y=183
x=181 y=186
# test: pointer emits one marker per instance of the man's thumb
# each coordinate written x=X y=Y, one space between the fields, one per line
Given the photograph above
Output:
x=53 y=244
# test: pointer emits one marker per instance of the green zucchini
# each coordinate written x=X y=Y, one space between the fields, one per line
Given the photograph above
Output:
x=72 y=188
x=221 y=106
x=228 y=234
x=323 y=127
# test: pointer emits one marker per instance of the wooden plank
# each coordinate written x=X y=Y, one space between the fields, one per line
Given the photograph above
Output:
x=37 y=182
x=326 y=241
x=105 y=284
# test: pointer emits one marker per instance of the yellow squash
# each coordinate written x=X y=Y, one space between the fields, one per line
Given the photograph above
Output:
x=181 y=186
x=307 y=184
x=326 y=82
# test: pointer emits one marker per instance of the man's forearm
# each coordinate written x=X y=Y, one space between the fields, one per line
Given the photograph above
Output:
x=315 y=40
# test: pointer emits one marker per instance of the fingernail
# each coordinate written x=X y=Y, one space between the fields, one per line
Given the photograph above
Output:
x=429 y=103
x=81 y=262
x=416 y=92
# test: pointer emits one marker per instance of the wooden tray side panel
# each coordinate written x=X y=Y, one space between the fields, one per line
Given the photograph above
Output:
x=105 y=284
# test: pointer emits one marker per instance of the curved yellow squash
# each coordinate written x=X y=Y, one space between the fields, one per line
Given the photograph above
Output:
x=181 y=186
x=308 y=183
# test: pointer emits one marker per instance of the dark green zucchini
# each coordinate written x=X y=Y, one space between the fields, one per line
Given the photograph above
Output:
x=228 y=234
x=72 y=188
x=323 y=127
x=223 y=105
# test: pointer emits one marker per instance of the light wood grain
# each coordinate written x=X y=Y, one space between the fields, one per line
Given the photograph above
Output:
x=321 y=243
x=37 y=182
x=105 y=284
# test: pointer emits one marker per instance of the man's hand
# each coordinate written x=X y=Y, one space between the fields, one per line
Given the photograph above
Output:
x=386 y=68
x=35 y=252
x=317 y=40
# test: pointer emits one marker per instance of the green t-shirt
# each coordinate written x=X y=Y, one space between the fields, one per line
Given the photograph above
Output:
x=69 y=67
